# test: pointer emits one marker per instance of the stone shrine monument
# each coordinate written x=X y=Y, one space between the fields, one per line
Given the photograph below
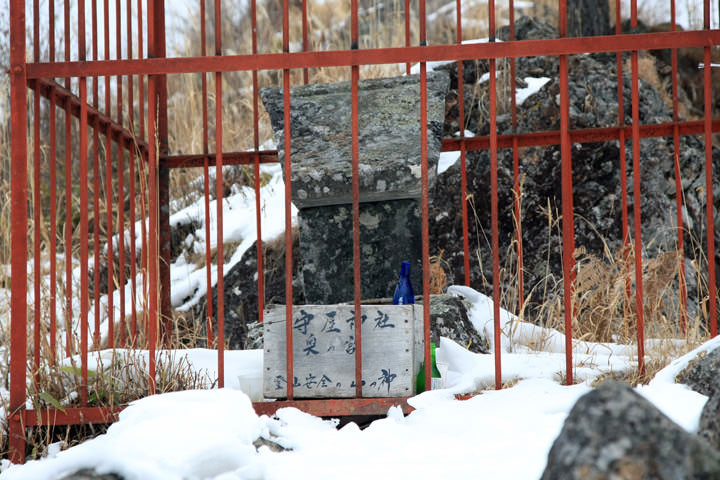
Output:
x=390 y=179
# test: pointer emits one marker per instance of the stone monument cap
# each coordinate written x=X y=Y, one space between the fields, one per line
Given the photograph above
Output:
x=389 y=137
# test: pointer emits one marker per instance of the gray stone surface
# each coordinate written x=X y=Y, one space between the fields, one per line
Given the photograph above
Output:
x=389 y=234
x=89 y=474
x=448 y=318
x=389 y=137
x=614 y=433
x=703 y=374
x=596 y=178
x=709 y=426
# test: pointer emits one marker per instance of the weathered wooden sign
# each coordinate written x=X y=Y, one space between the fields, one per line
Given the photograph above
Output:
x=324 y=350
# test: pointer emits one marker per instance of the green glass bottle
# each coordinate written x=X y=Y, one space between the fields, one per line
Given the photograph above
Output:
x=436 y=380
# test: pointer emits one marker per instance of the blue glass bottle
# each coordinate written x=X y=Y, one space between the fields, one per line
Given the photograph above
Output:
x=404 y=292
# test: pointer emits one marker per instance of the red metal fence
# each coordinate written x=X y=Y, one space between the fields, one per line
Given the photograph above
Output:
x=128 y=131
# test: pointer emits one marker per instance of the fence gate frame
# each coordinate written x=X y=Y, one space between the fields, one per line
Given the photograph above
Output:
x=151 y=63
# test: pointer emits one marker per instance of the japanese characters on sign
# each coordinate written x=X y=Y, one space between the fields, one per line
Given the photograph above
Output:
x=324 y=351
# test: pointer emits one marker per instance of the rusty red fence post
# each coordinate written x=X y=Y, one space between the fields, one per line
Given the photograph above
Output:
x=166 y=323
x=424 y=197
x=19 y=229
x=568 y=224
x=355 y=128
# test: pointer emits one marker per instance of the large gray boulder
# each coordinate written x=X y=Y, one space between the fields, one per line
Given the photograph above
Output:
x=389 y=137
x=90 y=474
x=709 y=425
x=703 y=373
x=596 y=179
x=389 y=176
x=703 y=376
x=449 y=318
x=614 y=433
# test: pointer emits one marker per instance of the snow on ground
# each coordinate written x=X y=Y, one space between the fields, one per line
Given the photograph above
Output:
x=189 y=280
x=209 y=433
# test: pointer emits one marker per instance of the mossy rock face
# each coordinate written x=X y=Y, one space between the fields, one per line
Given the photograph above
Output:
x=612 y=432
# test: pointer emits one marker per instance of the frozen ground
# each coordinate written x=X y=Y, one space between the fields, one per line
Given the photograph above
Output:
x=208 y=434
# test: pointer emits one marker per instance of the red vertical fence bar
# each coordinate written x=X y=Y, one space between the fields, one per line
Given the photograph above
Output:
x=709 y=212
x=305 y=43
x=53 y=193
x=152 y=256
x=568 y=229
x=355 y=79
x=219 y=203
x=424 y=198
x=678 y=182
x=637 y=219
x=141 y=78
x=407 y=32
x=288 y=214
x=37 y=306
x=18 y=235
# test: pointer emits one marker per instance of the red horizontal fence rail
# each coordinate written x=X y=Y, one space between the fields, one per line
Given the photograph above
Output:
x=130 y=131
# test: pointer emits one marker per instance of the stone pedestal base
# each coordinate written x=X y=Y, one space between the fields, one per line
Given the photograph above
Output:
x=390 y=232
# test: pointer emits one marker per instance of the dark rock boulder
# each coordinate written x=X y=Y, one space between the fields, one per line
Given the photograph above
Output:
x=614 y=433
x=588 y=18
x=703 y=374
x=89 y=474
x=709 y=426
x=597 y=194
x=448 y=318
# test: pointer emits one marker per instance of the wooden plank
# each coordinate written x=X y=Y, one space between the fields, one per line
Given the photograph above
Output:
x=324 y=351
